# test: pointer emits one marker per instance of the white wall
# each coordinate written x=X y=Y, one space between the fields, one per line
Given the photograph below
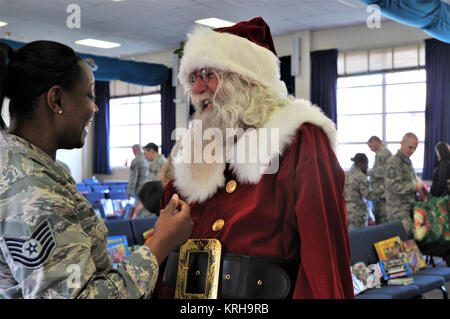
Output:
x=79 y=160
x=356 y=37
x=344 y=39
x=72 y=159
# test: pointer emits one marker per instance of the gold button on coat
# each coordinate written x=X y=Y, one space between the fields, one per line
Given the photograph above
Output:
x=218 y=224
x=231 y=186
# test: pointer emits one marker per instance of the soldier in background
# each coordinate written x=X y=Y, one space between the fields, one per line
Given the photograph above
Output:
x=138 y=173
x=377 y=178
x=357 y=192
x=157 y=160
x=401 y=183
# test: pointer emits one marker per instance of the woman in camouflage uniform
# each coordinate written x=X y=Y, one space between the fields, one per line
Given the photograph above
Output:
x=52 y=244
x=357 y=192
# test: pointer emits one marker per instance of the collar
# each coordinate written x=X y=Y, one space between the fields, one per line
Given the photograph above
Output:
x=403 y=158
x=381 y=149
x=197 y=184
x=355 y=168
x=16 y=144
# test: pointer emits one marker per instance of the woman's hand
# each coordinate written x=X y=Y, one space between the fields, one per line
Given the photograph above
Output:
x=172 y=229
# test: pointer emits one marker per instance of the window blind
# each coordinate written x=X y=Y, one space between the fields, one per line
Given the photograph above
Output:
x=119 y=89
x=381 y=59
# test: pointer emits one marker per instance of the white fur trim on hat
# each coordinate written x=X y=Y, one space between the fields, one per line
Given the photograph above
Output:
x=228 y=52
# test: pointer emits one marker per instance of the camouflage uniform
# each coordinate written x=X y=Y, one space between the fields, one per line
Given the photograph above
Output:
x=400 y=189
x=377 y=183
x=356 y=192
x=156 y=166
x=139 y=170
x=52 y=244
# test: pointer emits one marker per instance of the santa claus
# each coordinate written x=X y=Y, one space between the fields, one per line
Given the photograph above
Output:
x=259 y=171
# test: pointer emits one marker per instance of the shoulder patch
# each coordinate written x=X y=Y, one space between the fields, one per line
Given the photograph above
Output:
x=34 y=251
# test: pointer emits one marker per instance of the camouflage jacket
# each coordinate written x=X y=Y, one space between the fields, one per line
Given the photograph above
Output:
x=52 y=244
x=139 y=170
x=156 y=166
x=357 y=189
x=377 y=172
x=400 y=180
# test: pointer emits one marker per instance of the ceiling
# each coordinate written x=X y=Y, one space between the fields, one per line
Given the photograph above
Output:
x=146 y=26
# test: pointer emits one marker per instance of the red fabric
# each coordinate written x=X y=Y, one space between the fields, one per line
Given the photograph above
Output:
x=255 y=30
x=298 y=213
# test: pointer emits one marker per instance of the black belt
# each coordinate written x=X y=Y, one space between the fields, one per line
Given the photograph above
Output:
x=240 y=276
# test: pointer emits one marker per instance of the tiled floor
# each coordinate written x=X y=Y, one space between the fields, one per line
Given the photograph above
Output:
x=436 y=293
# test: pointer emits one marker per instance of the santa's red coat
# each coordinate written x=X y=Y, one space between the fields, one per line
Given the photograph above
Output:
x=298 y=213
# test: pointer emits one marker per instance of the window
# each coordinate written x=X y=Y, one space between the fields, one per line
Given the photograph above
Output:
x=387 y=105
x=133 y=120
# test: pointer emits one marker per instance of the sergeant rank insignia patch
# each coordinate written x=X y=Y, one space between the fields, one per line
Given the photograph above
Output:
x=32 y=252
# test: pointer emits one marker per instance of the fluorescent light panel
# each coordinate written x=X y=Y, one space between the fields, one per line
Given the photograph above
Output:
x=215 y=22
x=98 y=43
x=2 y=24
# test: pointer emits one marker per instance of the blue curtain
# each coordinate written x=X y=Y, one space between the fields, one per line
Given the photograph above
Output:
x=324 y=80
x=101 y=129
x=437 y=111
x=167 y=114
x=285 y=70
x=432 y=16
x=140 y=73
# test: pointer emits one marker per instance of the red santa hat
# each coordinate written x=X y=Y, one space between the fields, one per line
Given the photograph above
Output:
x=245 y=48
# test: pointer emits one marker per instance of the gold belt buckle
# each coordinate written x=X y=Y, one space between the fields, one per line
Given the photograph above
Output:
x=213 y=249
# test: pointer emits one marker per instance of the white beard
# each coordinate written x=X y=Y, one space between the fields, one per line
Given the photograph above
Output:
x=203 y=150
x=198 y=180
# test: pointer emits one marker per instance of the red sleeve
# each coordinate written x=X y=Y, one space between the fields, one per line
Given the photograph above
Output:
x=322 y=220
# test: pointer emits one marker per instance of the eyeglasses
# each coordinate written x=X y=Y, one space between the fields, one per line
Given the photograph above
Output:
x=205 y=74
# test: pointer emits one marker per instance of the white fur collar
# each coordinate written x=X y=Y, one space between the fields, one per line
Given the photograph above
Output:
x=196 y=186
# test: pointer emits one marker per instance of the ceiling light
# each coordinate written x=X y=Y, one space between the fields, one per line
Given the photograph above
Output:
x=215 y=23
x=98 y=43
x=2 y=24
x=347 y=3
